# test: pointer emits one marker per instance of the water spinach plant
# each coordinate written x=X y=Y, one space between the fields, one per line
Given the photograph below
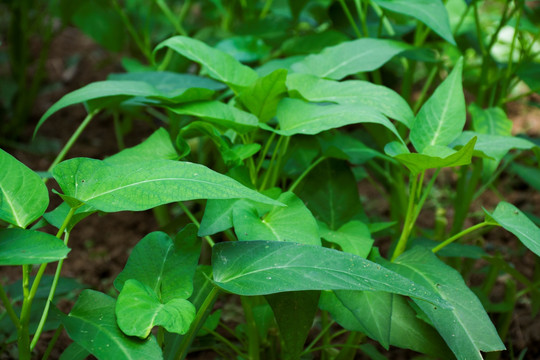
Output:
x=261 y=169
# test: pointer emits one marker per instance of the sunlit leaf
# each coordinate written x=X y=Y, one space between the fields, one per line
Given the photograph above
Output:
x=24 y=247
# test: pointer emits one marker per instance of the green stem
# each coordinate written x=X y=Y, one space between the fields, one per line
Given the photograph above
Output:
x=226 y=342
x=425 y=88
x=304 y=174
x=387 y=25
x=171 y=17
x=263 y=153
x=197 y=323
x=322 y=333
x=407 y=226
x=362 y=11
x=251 y=329
x=131 y=30
x=270 y=165
x=461 y=19
x=425 y=194
x=52 y=342
x=56 y=278
x=73 y=138
x=350 y=18
x=8 y=307
x=279 y=164
x=459 y=235
x=266 y=9
x=195 y=221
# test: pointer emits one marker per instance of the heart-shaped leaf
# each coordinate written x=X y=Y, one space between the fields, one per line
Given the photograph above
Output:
x=24 y=247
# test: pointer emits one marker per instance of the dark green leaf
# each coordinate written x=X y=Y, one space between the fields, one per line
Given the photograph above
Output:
x=245 y=49
x=353 y=237
x=267 y=267
x=25 y=247
x=217 y=216
x=168 y=83
x=23 y=195
x=337 y=62
x=143 y=185
x=157 y=146
x=294 y=313
x=92 y=324
x=531 y=175
x=74 y=352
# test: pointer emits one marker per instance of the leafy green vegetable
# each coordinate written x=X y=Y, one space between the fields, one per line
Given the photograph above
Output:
x=22 y=247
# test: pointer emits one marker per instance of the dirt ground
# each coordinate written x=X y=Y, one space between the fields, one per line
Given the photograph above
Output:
x=101 y=245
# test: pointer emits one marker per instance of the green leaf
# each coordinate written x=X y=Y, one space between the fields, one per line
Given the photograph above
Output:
x=23 y=195
x=143 y=185
x=353 y=237
x=513 y=220
x=430 y=12
x=331 y=193
x=436 y=157
x=25 y=247
x=157 y=146
x=313 y=42
x=138 y=310
x=384 y=99
x=406 y=329
x=466 y=328
x=293 y=223
x=294 y=312
x=267 y=267
x=220 y=66
x=92 y=324
x=74 y=352
x=217 y=216
x=216 y=112
x=117 y=91
x=493 y=146
x=245 y=49
x=492 y=121
x=57 y=216
x=442 y=117
x=164 y=265
x=170 y=84
x=531 y=175
x=262 y=98
x=529 y=72
x=337 y=62
x=344 y=146
x=299 y=117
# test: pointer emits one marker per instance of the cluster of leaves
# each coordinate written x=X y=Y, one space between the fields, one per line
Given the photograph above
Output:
x=267 y=151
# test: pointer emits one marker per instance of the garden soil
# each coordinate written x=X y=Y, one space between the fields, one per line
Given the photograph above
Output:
x=101 y=244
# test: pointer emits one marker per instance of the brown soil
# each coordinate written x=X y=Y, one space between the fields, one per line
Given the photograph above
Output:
x=101 y=245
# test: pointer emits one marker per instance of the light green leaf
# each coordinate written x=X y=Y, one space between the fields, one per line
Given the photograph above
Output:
x=294 y=312
x=143 y=185
x=331 y=193
x=493 y=146
x=262 y=98
x=217 y=216
x=437 y=157
x=157 y=146
x=293 y=223
x=492 y=121
x=384 y=99
x=299 y=117
x=25 y=247
x=430 y=12
x=344 y=146
x=245 y=49
x=165 y=265
x=353 y=237
x=337 y=62
x=220 y=66
x=116 y=91
x=216 y=112
x=138 y=310
x=466 y=328
x=74 y=352
x=23 y=195
x=267 y=267
x=513 y=220
x=92 y=324
x=442 y=118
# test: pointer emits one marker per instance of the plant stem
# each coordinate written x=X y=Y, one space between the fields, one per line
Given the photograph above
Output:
x=171 y=17
x=8 y=307
x=459 y=235
x=263 y=153
x=324 y=330
x=197 y=323
x=270 y=165
x=53 y=341
x=131 y=30
x=251 y=329
x=350 y=18
x=407 y=226
x=425 y=88
x=362 y=13
x=196 y=222
x=266 y=9
x=226 y=342
x=304 y=174
x=45 y=312
x=73 y=138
